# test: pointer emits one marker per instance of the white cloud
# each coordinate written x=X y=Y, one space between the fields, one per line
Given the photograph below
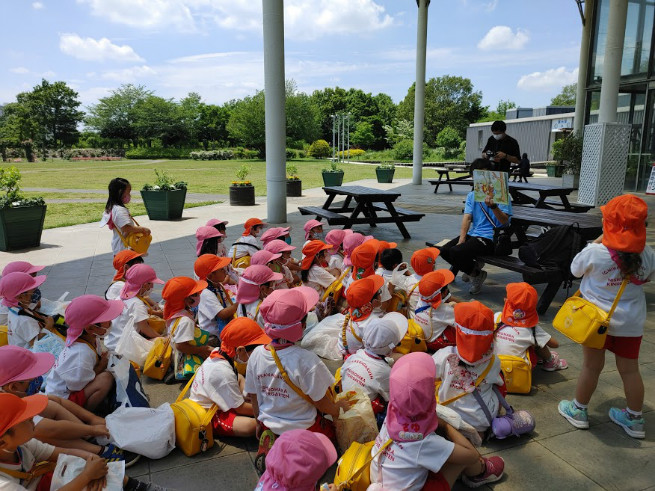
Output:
x=128 y=74
x=37 y=5
x=304 y=19
x=503 y=38
x=550 y=79
x=90 y=49
x=20 y=70
x=487 y=5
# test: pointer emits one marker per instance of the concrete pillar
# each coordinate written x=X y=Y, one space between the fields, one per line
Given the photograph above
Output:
x=274 y=89
x=583 y=68
x=419 y=91
x=609 y=91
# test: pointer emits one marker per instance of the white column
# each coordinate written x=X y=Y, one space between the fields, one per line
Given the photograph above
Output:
x=583 y=68
x=276 y=176
x=419 y=90
x=609 y=91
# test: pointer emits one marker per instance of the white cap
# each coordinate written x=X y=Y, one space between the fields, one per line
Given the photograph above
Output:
x=383 y=335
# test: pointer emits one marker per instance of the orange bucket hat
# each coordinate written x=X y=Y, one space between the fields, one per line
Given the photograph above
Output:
x=310 y=250
x=208 y=263
x=424 y=260
x=624 y=223
x=242 y=331
x=432 y=283
x=121 y=259
x=363 y=259
x=520 y=308
x=176 y=290
x=360 y=292
x=475 y=331
x=250 y=223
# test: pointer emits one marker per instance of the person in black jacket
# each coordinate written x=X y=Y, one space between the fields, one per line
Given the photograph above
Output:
x=501 y=148
x=523 y=171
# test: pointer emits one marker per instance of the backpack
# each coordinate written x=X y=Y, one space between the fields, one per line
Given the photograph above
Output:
x=554 y=248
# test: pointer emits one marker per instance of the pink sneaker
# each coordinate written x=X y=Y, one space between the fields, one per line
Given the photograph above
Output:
x=555 y=363
x=493 y=472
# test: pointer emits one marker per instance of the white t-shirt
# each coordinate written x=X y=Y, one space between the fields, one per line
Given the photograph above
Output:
x=601 y=279
x=280 y=408
x=208 y=309
x=456 y=379
x=114 y=290
x=412 y=291
x=251 y=311
x=73 y=370
x=336 y=261
x=185 y=331
x=367 y=373
x=406 y=465
x=243 y=249
x=4 y=313
x=134 y=308
x=346 y=282
x=359 y=327
x=434 y=321
x=21 y=329
x=319 y=278
x=121 y=217
x=515 y=341
x=32 y=452
x=216 y=383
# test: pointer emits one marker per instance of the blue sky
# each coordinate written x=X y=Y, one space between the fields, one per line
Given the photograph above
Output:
x=522 y=50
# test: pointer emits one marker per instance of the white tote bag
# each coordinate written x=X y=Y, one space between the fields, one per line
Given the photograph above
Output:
x=132 y=345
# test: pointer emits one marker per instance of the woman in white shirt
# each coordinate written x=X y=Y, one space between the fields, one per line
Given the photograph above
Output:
x=117 y=217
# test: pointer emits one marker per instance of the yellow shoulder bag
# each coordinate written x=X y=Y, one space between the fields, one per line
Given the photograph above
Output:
x=159 y=358
x=414 y=339
x=518 y=374
x=583 y=322
x=193 y=431
x=335 y=288
x=4 y=335
x=354 y=467
x=37 y=471
x=138 y=242
x=459 y=396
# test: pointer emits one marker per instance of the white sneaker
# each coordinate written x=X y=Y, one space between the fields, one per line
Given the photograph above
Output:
x=476 y=282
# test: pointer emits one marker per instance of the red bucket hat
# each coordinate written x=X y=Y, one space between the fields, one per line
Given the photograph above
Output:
x=242 y=331
x=624 y=223
x=520 y=308
x=361 y=292
x=15 y=409
x=250 y=223
x=208 y=263
x=363 y=259
x=475 y=331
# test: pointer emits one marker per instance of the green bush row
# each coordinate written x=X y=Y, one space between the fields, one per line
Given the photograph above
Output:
x=225 y=154
x=158 y=153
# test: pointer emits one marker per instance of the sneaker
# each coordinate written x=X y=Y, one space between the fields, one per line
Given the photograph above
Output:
x=135 y=485
x=131 y=458
x=266 y=441
x=632 y=426
x=577 y=417
x=476 y=282
x=494 y=467
x=111 y=453
x=465 y=278
x=555 y=363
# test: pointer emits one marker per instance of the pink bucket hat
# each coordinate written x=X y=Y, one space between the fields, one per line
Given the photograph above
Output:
x=412 y=410
x=350 y=242
x=297 y=461
x=264 y=257
x=136 y=277
x=21 y=267
x=212 y=222
x=273 y=233
x=309 y=226
x=252 y=278
x=19 y=364
x=336 y=237
x=89 y=309
x=14 y=284
x=204 y=233
x=278 y=245
x=284 y=310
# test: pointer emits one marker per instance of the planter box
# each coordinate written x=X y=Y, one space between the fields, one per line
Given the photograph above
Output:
x=294 y=188
x=570 y=180
x=554 y=170
x=21 y=227
x=331 y=178
x=385 y=175
x=164 y=205
x=242 y=195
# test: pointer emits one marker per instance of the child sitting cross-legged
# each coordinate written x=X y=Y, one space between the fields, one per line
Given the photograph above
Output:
x=216 y=307
x=363 y=297
x=434 y=313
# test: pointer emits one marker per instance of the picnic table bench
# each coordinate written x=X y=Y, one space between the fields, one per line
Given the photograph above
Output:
x=519 y=197
x=465 y=179
x=367 y=202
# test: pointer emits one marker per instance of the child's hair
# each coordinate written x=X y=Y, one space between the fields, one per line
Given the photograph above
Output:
x=390 y=258
x=136 y=260
x=629 y=263
x=209 y=246
x=117 y=187
x=304 y=275
x=480 y=164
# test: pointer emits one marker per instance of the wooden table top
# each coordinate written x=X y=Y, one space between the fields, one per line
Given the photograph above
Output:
x=524 y=186
x=542 y=216
x=356 y=191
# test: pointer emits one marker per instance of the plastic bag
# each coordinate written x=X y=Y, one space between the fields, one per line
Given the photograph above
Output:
x=147 y=431
x=358 y=423
x=453 y=418
x=69 y=467
x=50 y=343
x=322 y=339
x=129 y=391
x=132 y=345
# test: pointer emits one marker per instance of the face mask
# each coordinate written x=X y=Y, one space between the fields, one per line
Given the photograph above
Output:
x=287 y=239
x=35 y=386
x=319 y=236
x=145 y=293
x=498 y=137
x=127 y=199
x=36 y=296
x=194 y=302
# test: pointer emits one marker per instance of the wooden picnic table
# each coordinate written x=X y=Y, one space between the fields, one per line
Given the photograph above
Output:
x=590 y=225
x=361 y=206
x=444 y=172
x=519 y=196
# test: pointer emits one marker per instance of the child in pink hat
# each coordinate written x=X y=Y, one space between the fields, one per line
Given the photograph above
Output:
x=335 y=238
x=418 y=455
x=207 y=240
x=273 y=260
x=276 y=233
x=16 y=290
x=80 y=373
x=290 y=267
x=219 y=225
x=255 y=285
x=313 y=230
x=278 y=407
x=297 y=461
x=139 y=280
x=22 y=267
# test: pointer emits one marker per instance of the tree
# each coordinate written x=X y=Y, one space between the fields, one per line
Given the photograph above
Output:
x=500 y=113
x=363 y=135
x=213 y=124
x=449 y=101
x=402 y=130
x=246 y=125
x=566 y=97
x=302 y=116
x=450 y=140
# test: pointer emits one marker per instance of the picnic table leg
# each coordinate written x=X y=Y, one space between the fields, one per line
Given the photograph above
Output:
x=358 y=209
x=399 y=223
x=328 y=201
x=547 y=296
x=448 y=179
x=369 y=211
x=565 y=201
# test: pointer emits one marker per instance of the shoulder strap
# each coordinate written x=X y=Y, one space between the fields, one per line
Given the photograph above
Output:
x=485 y=409
x=210 y=412
x=477 y=382
x=344 y=339
x=368 y=461
x=245 y=244
x=411 y=290
x=118 y=229
x=38 y=470
x=624 y=283
x=487 y=215
x=286 y=378
x=352 y=330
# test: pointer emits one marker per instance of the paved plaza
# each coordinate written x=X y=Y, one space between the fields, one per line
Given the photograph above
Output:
x=555 y=456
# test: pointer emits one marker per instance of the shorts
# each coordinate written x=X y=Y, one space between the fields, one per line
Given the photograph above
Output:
x=436 y=482
x=223 y=423
x=447 y=338
x=625 y=347
x=324 y=426
x=78 y=397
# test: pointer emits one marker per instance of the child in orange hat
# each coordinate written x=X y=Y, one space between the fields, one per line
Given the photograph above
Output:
x=249 y=242
x=434 y=312
x=470 y=364
x=216 y=307
x=363 y=297
x=217 y=381
x=123 y=261
x=620 y=254
x=422 y=262
x=318 y=275
x=518 y=332
x=364 y=259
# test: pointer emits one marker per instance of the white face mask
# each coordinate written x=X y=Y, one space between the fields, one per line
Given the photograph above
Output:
x=498 y=137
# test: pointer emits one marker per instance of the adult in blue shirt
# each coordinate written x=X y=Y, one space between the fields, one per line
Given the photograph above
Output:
x=476 y=235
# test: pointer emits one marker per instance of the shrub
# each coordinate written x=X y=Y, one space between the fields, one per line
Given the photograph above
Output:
x=164 y=182
x=158 y=153
x=292 y=172
x=449 y=139
x=355 y=153
x=9 y=184
x=320 y=149
x=404 y=150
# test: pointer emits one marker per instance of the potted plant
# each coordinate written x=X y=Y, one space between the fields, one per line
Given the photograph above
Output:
x=294 y=184
x=21 y=219
x=165 y=199
x=333 y=175
x=242 y=192
x=385 y=172
x=568 y=151
x=554 y=169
